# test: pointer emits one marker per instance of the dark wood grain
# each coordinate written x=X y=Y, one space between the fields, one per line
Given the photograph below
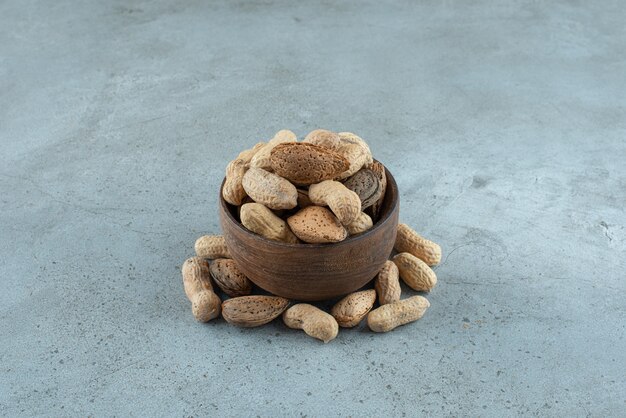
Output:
x=311 y=272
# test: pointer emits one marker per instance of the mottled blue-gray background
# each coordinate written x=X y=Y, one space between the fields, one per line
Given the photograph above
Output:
x=503 y=122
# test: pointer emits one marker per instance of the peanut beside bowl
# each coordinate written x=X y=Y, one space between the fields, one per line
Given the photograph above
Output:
x=311 y=272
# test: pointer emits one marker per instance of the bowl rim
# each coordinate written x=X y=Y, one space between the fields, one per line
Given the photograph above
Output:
x=391 y=183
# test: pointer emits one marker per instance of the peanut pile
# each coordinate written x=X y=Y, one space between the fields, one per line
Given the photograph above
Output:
x=321 y=190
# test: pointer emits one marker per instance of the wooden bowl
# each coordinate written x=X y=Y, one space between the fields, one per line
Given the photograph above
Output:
x=311 y=272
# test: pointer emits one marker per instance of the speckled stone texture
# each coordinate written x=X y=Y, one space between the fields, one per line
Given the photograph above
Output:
x=504 y=124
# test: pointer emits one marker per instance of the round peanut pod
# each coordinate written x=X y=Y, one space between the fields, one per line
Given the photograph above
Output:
x=269 y=189
x=415 y=273
x=350 y=310
x=253 y=311
x=212 y=246
x=409 y=241
x=344 y=203
x=388 y=284
x=313 y=321
x=205 y=304
x=390 y=316
x=228 y=278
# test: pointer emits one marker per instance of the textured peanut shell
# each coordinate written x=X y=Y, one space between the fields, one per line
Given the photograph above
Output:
x=317 y=225
x=253 y=311
x=415 y=273
x=270 y=189
x=261 y=158
x=351 y=310
x=379 y=169
x=362 y=223
x=357 y=157
x=196 y=276
x=366 y=185
x=387 y=317
x=313 y=321
x=205 y=304
x=387 y=283
x=305 y=164
x=344 y=203
x=350 y=138
x=323 y=138
x=261 y=220
x=233 y=191
x=411 y=242
x=228 y=278
x=212 y=246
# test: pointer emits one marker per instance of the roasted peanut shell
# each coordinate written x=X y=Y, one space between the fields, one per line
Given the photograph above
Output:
x=261 y=220
x=270 y=189
x=407 y=240
x=387 y=317
x=388 y=284
x=212 y=246
x=415 y=273
x=313 y=321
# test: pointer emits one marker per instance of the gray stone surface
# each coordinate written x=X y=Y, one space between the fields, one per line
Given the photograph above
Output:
x=504 y=123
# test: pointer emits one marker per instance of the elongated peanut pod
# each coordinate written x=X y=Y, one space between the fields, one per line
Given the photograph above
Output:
x=415 y=273
x=313 y=321
x=205 y=304
x=270 y=189
x=392 y=315
x=233 y=191
x=388 y=284
x=409 y=241
x=212 y=246
x=261 y=220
